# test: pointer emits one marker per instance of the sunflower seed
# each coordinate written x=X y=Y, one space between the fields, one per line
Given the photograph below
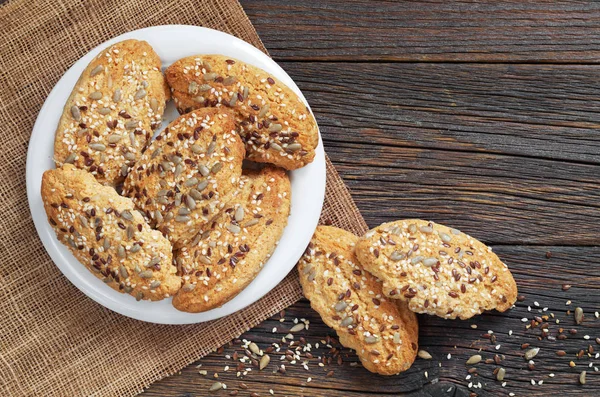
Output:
x=175 y=159
x=578 y=315
x=129 y=156
x=294 y=147
x=500 y=374
x=207 y=66
x=209 y=76
x=197 y=149
x=397 y=255
x=135 y=248
x=121 y=252
x=341 y=305
x=445 y=237
x=205 y=260
x=168 y=216
x=188 y=287
x=456 y=232
x=182 y=218
x=347 y=322
x=178 y=170
x=71 y=158
x=371 y=339
x=229 y=80
x=275 y=127
x=117 y=95
x=130 y=232
x=216 y=168
x=75 y=112
x=582 y=377
x=154 y=105
x=97 y=70
x=106 y=244
x=131 y=124
x=98 y=147
x=430 y=261
x=95 y=95
x=239 y=214
x=233 y=99
x=251 y=222
x=264 y=361
x=204 y=171
x=275 y=146
x=114 y=138
x=156 y=153
x=123 y=271
x=145 y=84
x=83 y=220
x=211 y=148
x=416 y=259
x=195 y=194
x=473 y=359
x=104 y=111
x=263 y=111
x=297 y=328
x=191 y=182
x=245 y=93
x=426 y=229
x=140 y=94
x=424 y=355
x=155 y=284
x=397 y=338
x=190 y=202
x=204 y=87
x=531 y=353
x=146 y=274
x=139 y=296
x=158 y=216
x=216 y=386
x=183 y=211
x=254 y=348
x=233 y=228
x=154 y=261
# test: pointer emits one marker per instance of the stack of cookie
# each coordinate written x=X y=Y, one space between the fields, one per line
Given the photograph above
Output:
x=368 y=289
x=175 y=216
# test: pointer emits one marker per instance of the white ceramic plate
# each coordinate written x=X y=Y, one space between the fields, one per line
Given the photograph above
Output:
x=308 y=183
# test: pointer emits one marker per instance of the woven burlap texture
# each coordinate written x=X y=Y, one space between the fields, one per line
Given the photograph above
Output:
x=54 y=341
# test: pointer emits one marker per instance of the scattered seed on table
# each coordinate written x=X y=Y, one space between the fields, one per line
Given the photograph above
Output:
x=531 y=353
x=500 y=374
x=424 y=355
x=474 y=359
x=578 y=315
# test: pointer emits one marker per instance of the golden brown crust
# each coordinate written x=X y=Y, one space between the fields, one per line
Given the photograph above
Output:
x=274 y=123
x=349 y=300
x=107 y=235
x=225 y=257
x=109 y=117
x=188 y=173
x=437 y=269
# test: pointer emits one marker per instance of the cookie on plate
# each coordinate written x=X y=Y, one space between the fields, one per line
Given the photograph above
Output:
x=228 y=254
x=112 y=112
x=108 y=235
x=349 y=300
x=188 y=173
x=273 y=121
x=436 y=269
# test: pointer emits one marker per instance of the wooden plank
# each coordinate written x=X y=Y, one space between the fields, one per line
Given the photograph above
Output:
x=538 y=111
x=433 y=31
x=532 y=270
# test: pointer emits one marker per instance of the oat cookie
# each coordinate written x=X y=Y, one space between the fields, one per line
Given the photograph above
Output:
x=350 y=300
x=228 y=254
x=109 y=117
x=436 y=269
x=188 y=173
x=273 y=122
x=108 y=235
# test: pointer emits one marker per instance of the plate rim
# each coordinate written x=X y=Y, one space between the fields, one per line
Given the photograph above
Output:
x=54 y=250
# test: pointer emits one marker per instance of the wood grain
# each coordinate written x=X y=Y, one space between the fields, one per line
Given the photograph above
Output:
x=431 y=31
x=540 y=280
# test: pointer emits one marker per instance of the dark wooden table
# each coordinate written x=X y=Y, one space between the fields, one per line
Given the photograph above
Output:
x=479 y=115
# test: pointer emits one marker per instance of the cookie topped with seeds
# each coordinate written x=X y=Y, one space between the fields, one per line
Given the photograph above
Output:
x=112 y=112
x=108 y=235
x=188 y=173
x=273 y=121
x=436 y=269
x=228 y=254
x=350 y=300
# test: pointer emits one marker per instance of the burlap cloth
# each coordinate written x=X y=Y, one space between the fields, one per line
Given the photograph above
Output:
x=53 y=339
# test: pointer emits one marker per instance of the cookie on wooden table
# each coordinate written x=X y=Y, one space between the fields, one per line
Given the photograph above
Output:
x=188 y=173
x=274 y=123
x=228 y=254
x=350 y=300
x=436 y=269
x=112 y=112
x=108 y=235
